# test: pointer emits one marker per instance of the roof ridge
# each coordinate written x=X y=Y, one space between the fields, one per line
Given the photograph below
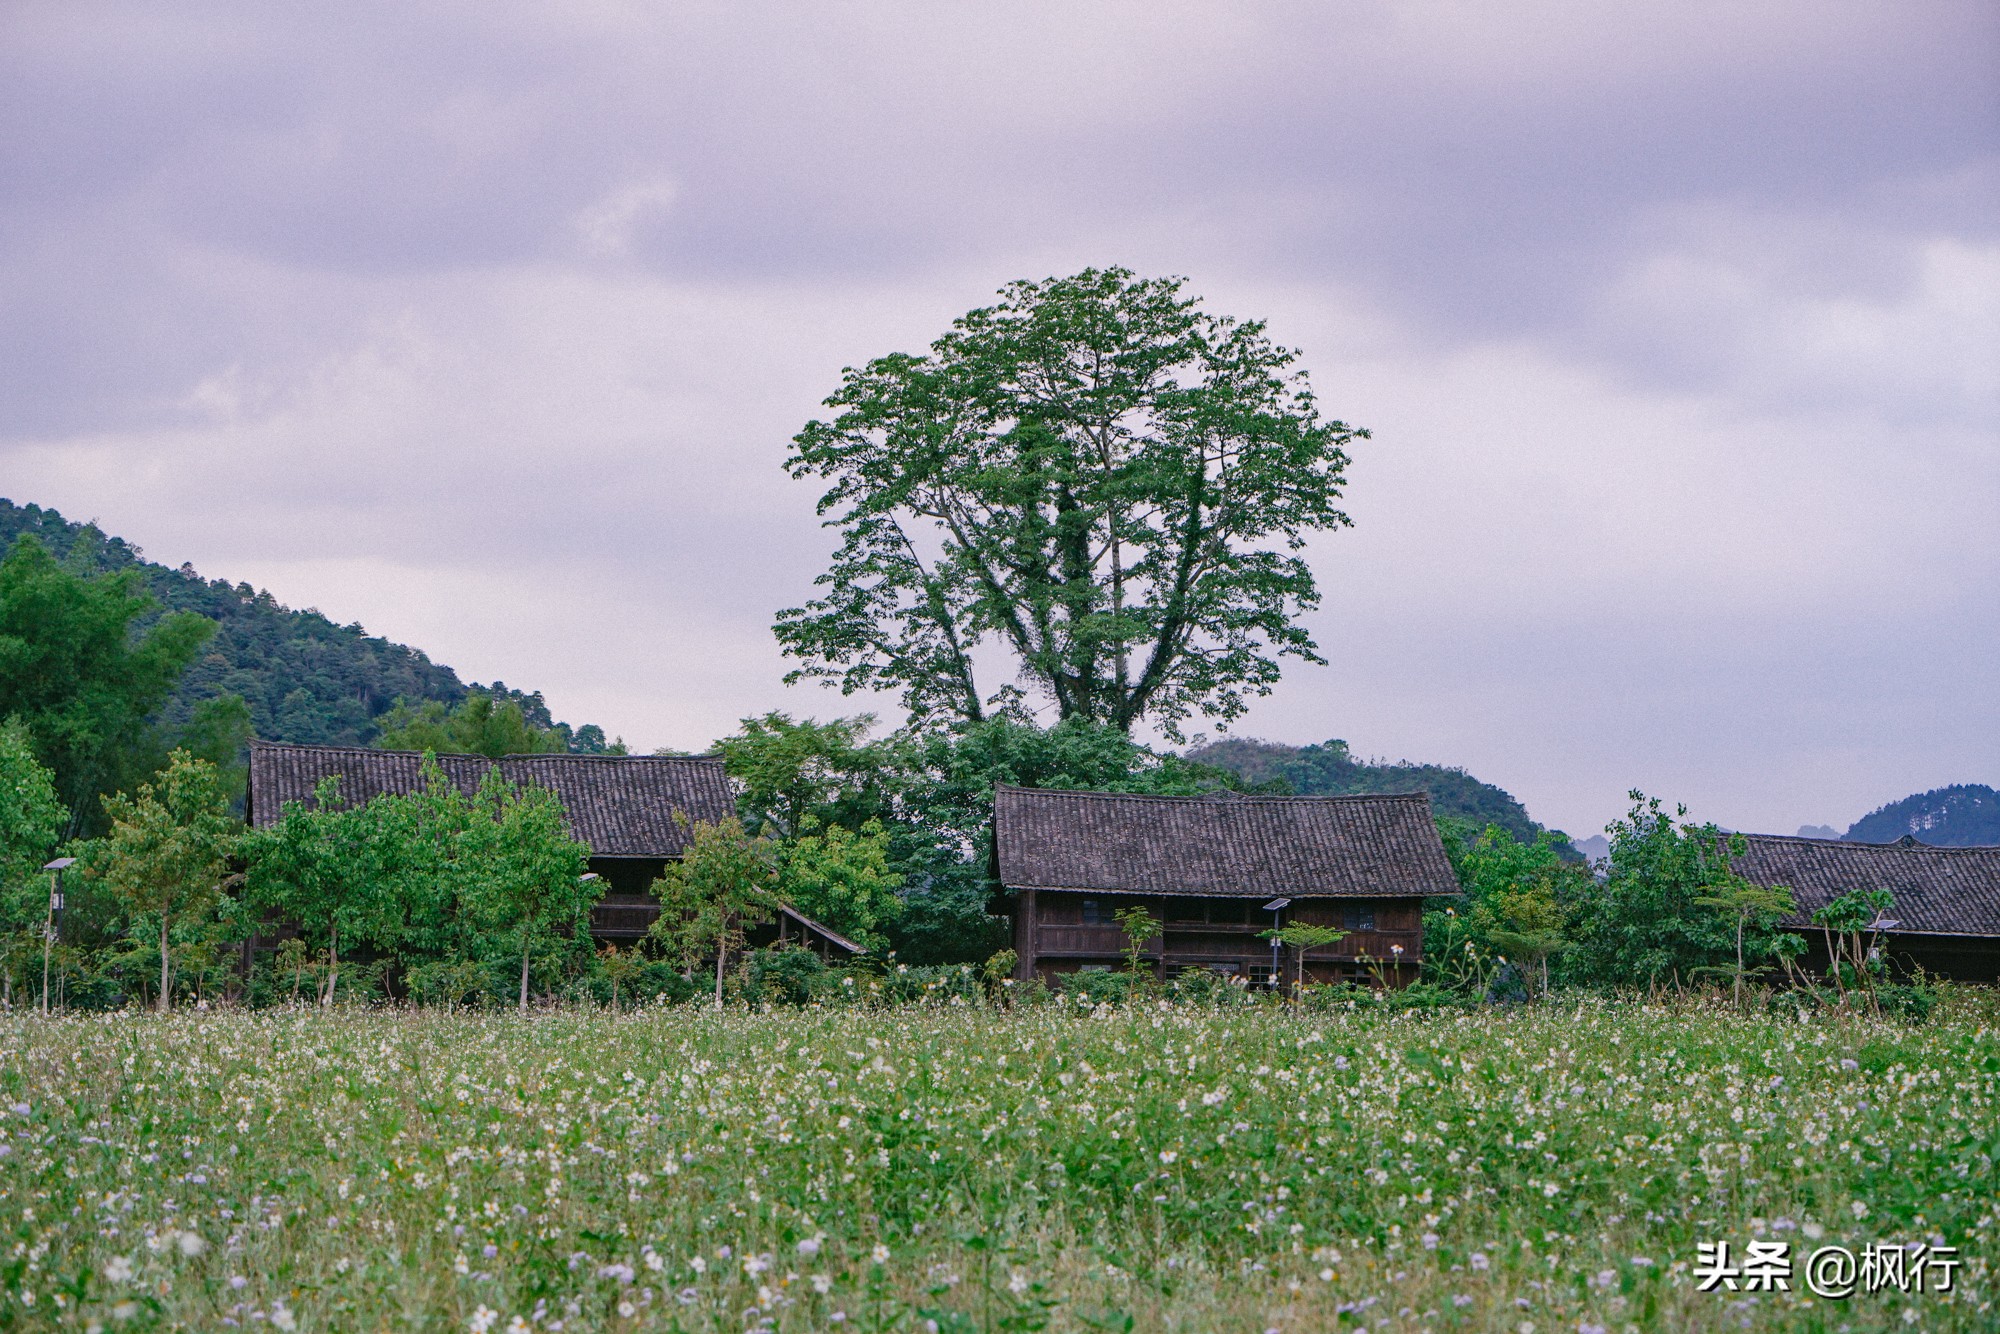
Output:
x=1418 y=795
x=259 y=742
x=1895 y=845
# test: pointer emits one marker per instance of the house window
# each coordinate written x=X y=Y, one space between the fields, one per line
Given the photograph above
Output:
x=1184 y=910
x=1093 y=912
x=1359 y=917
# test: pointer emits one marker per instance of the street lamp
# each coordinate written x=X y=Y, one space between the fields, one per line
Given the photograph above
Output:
x=1274 y=907
x=54 y=924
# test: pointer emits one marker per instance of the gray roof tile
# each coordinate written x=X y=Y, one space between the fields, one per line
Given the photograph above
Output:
x=1359 y=846
x=621 y=805
x=1945 y=891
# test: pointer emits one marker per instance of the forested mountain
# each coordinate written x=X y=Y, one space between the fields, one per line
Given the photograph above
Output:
x=1329 y=770
x=1965 y=815
x=305 y=678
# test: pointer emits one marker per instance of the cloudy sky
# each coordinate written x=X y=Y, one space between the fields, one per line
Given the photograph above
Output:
x=1677 y=323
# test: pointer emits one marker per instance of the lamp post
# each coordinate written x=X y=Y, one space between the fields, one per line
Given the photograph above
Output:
x=54 y=924
x=1275 y=907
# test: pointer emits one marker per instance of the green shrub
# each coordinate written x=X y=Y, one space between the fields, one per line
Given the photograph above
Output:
x=1202 y=986
x=786 y=975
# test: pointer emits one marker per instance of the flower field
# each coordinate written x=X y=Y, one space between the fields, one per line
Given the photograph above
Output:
x=1147 y=1169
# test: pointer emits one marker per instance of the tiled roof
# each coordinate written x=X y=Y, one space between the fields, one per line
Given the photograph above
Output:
x=621 y=805
x=1362 y=846
x=1945 y=891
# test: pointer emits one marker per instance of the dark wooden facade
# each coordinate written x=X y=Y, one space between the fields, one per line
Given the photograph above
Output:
x=1206 y=868
x=1947 y=900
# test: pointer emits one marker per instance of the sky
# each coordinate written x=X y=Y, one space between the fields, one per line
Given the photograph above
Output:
x=487 y=325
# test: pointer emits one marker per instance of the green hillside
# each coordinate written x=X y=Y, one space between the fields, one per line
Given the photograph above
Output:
x=1965 y=815
x=1328 y=769
x=305 y=678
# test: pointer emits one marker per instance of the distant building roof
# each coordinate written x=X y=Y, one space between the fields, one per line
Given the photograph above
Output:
x=1939 y=891
x=1363 y=846
x=621 y=805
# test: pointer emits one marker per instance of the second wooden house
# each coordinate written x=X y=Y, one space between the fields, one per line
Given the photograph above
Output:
x=633 y=811
x=1217 y=871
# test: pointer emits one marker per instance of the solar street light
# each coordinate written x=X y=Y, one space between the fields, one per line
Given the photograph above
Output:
x=1274 y=907
x=54 y=923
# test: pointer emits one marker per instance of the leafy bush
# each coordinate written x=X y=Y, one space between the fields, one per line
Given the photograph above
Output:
x=787 y=975
x=1201 y=986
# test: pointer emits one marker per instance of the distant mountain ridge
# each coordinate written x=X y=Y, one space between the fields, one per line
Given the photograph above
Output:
x=1328 y=769
x=1964 y=815
x=306 y=679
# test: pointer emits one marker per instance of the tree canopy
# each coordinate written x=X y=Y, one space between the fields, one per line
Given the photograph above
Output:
x=1094 y=474
x=31 y=824
x=167 y=851
x=480 y=724
x=78 y=672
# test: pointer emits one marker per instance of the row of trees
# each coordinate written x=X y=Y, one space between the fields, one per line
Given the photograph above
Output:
x=1666 y=908
x=416 y=888
x=437 y=893
x=886 y=840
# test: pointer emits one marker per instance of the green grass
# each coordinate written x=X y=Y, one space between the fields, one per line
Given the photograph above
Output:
x=1150 y=1169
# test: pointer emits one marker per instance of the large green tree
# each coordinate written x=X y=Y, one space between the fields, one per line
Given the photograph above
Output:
x=79 y=672
x=842 y=878
x=527 y=872
x=726 y=882
x=1095 y=474
x=326 y=869
x=167 y=852
x=31 y=823
x=792 y=772
x=1651 y=921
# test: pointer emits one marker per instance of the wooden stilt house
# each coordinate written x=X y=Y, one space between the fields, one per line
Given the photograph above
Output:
x=1947 y=900
x=625 y=808
x=1218 y=871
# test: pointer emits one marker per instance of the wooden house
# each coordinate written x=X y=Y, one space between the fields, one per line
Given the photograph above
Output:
x=1947 y=900
x=1217 y=871
x=625 y=808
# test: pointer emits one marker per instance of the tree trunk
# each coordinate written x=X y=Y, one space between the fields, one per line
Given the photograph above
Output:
x=1739 y=961
x=332 y=966
x=524 y=977
x=721 y=954
x=165 y=994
